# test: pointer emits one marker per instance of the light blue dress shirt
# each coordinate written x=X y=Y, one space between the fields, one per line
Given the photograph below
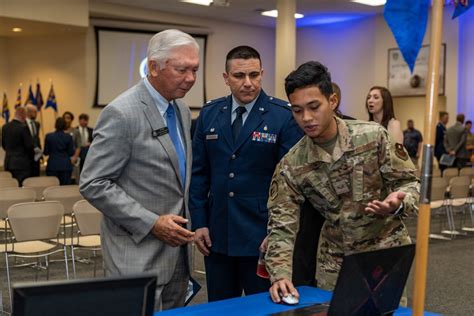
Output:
x=162 y=105
x=247 y=106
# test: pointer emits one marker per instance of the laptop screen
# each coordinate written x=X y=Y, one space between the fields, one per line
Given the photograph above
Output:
x=108 y=296
x=372 y=283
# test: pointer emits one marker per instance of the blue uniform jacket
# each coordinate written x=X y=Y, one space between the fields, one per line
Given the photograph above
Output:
x=230 y=182
x=59 y=147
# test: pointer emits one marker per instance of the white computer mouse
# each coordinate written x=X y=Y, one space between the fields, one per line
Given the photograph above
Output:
x=290 y=299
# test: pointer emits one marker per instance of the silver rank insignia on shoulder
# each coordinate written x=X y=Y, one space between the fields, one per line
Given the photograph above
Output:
x=265 y=128
x=212 y=130
x=261 y=109
x=225 y=107
x=289 y=104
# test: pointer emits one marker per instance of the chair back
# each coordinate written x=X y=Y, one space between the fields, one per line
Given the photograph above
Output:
x=450 y=173
x=88 y=218
x=5 y=174
x=436 y=172
x=8 y=183
x=438 y=188
x=35 y=220
x=39 y=184
x=66 y=194
x=459 y=187
x=467 y=171
x=10 y=196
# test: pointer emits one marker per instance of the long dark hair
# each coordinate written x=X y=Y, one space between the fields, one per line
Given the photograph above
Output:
x=387 y=105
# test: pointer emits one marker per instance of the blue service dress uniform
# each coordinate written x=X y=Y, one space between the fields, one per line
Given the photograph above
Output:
x=229 y=187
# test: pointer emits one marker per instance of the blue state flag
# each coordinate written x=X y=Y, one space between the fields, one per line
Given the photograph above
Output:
x=407 y=19
x=51 y=102
x=5 y=109
x=462 y=8
x=31 y=97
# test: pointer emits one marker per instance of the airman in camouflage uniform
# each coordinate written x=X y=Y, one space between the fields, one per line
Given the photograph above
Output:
x=362 y=168
x=363 y=187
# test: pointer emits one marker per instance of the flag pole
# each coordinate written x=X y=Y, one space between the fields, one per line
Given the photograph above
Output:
x=41 y=117
x=431 y=108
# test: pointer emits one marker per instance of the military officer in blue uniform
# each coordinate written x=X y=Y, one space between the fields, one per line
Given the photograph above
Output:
x=238 y=141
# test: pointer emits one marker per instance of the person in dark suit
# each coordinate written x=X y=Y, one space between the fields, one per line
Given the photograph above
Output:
x=455 y=142
x=60 y=148
x=238 y=141
x=439 y=140
x=34 y=128
x=18 y=145
x=86 y=137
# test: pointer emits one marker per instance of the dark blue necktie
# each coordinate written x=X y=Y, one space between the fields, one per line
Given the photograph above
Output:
x=174 y=135
x=237 y=124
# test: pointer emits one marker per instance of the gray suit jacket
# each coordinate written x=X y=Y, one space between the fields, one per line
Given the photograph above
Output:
x=455 y=139
x=132 y=176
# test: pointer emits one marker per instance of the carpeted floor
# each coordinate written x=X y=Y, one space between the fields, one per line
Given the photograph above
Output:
x=450 y=286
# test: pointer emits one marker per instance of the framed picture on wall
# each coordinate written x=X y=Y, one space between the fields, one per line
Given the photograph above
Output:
x=402 y=83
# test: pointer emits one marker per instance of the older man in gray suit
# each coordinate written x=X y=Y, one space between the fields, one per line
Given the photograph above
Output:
x=455 y=142
x=138 y=171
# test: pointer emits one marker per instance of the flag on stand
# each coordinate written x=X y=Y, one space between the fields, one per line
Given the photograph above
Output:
x=31 y=97
x=51 y=102
x=407 y=19
x=39 y=97
x=5 y=110
x=18 y=97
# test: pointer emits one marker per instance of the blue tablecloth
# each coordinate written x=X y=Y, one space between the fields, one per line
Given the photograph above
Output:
x=260 y=304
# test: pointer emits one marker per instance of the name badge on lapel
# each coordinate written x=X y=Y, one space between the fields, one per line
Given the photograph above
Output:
x=264 y=137
x=212 y=137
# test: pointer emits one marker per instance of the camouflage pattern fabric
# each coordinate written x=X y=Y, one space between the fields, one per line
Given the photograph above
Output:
x=364 y=166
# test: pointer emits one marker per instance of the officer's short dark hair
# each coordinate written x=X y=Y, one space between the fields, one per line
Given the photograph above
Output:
x=468 y=122
x=442 y=113
x=460 y=118
x=60 y=124
x=84 y=116
x=241 y=52
x=70 y=114
x=311 y=73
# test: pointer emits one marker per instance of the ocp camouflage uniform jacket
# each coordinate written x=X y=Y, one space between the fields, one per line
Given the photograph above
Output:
x=364 y=166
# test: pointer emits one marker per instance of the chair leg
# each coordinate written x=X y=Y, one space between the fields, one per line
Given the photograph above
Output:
x=65 y=262
x=73 y=259
x=8 y=282
x=37 y=268
x=46 y=261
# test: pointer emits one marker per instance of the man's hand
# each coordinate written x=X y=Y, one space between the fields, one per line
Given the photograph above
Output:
x=74 y=160
x=203 y=240
x=389 y=205
x=283 y=287
x=169 y=230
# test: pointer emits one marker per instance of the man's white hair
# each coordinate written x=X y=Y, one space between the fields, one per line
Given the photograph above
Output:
x=162 y=43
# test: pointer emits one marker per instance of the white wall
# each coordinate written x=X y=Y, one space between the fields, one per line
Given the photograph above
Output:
x=347 y=49
x=70 y=12
x=466 y=65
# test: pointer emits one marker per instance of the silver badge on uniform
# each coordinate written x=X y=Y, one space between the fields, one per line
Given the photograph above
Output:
x=212 y=137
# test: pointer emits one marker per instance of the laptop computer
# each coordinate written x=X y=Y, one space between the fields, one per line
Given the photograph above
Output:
x=131 y=295
x=369 y=283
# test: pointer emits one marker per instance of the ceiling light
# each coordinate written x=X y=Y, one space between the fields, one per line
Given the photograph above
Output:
x=373 y=3
x=274 y=14
x=199 y=2
x=17 y=29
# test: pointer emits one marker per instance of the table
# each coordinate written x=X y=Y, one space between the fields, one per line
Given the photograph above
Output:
x=260 y=304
